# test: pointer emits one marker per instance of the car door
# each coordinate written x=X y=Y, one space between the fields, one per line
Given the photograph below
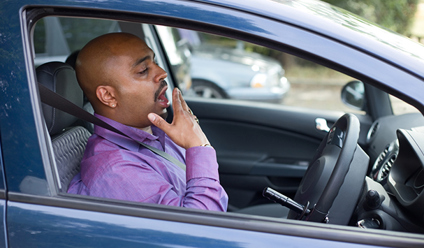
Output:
x=39 y=215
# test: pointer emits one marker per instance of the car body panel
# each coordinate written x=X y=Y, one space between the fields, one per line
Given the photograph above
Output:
x=3 y=236
x=46 y=218
x=28 y=214
x=56 y=227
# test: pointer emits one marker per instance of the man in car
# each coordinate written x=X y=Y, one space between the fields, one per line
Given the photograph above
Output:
x=126 y=88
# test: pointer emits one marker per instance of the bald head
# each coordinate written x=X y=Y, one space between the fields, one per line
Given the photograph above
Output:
x=121 y=79
x=97 y=60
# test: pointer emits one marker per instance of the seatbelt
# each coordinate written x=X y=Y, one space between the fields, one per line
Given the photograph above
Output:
x=55 y=100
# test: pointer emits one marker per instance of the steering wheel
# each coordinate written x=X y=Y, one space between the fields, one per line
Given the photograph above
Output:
x=333 y=181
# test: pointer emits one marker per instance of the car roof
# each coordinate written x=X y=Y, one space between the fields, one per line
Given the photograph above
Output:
x=341 y=25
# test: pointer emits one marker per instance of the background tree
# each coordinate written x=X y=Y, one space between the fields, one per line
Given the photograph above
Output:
x=397 y=15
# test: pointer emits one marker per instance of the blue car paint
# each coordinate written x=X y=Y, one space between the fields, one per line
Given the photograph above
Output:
x=25 y=154
x=3 y=235
x=70 y=227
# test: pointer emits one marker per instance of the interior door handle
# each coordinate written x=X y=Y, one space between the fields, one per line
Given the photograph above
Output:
x=321 y=124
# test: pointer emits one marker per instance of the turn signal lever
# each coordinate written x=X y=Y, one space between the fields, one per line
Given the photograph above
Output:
x=277 y=197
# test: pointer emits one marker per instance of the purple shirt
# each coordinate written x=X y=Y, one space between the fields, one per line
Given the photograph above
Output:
x=117 y=167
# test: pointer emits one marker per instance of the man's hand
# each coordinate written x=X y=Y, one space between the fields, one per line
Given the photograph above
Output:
x=184 y=129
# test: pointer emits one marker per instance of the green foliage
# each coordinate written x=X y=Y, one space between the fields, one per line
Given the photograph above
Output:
x=397 y=15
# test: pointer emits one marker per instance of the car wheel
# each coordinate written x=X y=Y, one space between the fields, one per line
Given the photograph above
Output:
x=207 y=90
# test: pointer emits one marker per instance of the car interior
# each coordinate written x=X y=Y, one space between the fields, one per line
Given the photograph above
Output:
x=262 y=145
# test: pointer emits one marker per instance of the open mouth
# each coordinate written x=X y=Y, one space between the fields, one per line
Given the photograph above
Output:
x=160 y=95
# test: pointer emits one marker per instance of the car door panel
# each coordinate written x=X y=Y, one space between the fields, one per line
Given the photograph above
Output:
x=115 y=225
x=3 y=238
x=271 y=150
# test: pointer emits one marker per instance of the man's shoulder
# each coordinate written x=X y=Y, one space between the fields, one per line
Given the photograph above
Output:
x=104 y=157
x=100 y=149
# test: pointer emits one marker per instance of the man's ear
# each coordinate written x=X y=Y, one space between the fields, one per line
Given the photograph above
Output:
x=106 y=95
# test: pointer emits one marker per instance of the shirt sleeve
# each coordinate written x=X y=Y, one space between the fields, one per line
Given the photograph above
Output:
x=138 y=181
x=203 y=188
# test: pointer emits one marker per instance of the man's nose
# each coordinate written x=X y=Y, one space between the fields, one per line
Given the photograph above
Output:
x=161 y=75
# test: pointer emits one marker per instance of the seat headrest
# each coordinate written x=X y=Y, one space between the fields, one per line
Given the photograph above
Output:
x=60 y=78
x=72 y=58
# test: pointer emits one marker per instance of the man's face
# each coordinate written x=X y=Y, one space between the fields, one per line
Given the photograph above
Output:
x=139 y=82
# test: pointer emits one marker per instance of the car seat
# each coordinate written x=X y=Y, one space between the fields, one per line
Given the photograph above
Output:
x=68 y=137
x=71 y=60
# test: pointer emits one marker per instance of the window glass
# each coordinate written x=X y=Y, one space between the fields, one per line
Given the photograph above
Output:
x=178 y=54
x=55 y=38
x=400 y=107
x=226 y=68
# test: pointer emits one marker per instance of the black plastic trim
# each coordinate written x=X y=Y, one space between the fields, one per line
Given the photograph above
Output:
x=2 y=194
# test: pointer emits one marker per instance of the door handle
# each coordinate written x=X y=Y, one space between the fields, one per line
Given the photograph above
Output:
x=321 y=124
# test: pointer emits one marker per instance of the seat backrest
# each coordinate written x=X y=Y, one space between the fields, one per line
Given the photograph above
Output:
x=68 y=139
x=71 y=60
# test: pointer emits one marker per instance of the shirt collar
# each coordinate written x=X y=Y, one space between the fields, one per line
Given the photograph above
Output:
x=135 y=134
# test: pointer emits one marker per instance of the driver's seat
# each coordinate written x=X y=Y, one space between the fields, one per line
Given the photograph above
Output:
x=68 y=137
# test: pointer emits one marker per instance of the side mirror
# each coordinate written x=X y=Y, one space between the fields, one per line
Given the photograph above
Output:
x=353 y=95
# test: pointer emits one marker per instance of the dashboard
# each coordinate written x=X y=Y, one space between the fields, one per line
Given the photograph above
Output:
x=393 y=196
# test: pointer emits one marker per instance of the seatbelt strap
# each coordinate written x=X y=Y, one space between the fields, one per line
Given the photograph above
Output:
x=55 y=100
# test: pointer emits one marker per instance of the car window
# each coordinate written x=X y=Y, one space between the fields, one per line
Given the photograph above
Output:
x=400 y=107
x=231 y=69
x=178 y=54
x=55 y=38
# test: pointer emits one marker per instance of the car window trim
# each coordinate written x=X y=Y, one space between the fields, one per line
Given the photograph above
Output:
x=49 y=164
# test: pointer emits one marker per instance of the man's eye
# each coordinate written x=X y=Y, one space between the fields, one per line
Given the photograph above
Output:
x=144 y=71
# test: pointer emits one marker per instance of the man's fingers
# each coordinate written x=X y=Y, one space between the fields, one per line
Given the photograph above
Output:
x=176 y=102
x=158 y=121
x=183 y=102
x=179 y=100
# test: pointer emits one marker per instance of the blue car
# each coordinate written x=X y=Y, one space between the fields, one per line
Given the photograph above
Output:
x=352 y=177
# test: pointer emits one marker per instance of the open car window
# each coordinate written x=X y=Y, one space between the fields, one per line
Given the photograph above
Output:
x=225 y=68
x=55 y=38
x=210 y=66
x=400 y=107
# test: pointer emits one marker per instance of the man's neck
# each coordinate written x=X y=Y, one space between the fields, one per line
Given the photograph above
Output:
x=147 y=129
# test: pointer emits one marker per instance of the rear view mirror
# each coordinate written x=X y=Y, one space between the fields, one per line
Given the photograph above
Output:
x=353 y=95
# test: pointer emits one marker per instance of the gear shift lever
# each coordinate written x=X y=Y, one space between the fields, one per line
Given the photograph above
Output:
x=277 y=197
